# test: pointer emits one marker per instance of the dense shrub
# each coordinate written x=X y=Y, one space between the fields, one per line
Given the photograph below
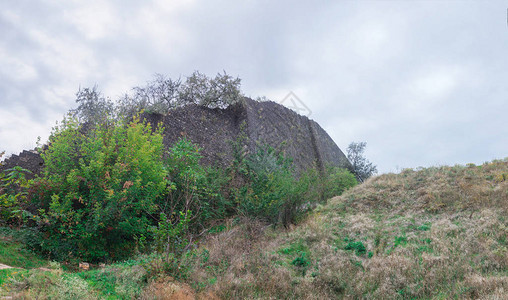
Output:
x=13 y=192
x=194 y=188
x=99 y=191
x=271 y=191
x=336 y=181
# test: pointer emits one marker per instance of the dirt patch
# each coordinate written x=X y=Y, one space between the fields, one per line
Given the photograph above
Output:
x=168 y=290
x=2 y=266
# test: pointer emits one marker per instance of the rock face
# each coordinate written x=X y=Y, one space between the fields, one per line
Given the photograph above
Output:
x=30 y=160
x=215 y=129
x=260 y=123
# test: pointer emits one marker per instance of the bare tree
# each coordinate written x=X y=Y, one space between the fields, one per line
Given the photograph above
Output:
x=361 y=166
x=218 y=92
x=159 y=95
x=92 y=108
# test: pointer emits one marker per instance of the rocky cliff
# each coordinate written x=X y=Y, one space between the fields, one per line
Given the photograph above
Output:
x=215 y=129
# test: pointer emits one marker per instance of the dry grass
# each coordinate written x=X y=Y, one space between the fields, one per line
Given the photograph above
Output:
x=436 y=233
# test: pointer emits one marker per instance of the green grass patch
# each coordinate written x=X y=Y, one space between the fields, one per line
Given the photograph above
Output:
x=119 y=281
x=356 y=246
x=7 y=274
x=295 y=248
x=15 y=254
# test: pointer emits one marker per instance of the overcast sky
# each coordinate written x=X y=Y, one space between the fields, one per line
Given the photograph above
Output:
x=423 y=83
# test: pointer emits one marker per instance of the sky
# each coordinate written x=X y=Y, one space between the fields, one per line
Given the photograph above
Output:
x=424 y=83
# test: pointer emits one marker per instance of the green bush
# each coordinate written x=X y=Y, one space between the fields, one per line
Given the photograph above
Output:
x=13 y=192
x=271 y=191
x=170 y=237
x=194 y=188
x=99 y=191
x=336 y=181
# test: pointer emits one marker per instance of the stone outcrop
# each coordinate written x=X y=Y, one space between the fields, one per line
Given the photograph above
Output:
x=30 y=160
x=215 y=129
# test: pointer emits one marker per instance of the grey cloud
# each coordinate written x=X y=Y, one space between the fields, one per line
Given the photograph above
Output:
x=422 y=82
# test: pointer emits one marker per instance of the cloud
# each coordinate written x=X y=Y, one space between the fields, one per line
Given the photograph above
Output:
x=421 y=82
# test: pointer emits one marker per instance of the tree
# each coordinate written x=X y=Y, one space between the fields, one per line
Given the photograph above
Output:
x=362 y=168
x=218 y=92
x=99 y=191
x=159 y=95
x=163 y=94
x=92 y=108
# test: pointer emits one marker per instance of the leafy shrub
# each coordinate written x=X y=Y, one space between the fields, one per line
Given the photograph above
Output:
x=13 y=192
x=218 y=92
x=99 y=191
x=336 y=181
x=194 y=188
x=271 y=190
x=301 y=261
x=169 y=237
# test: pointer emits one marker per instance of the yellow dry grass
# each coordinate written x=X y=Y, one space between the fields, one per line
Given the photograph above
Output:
x=436 y=233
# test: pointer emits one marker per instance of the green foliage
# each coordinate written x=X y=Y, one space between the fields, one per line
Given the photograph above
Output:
x=118 y=281
x=194 y=188
x=356 y=246
x=271 y=191
x=14 y=253
x=187 y=177
x=301 y=261
x=300 y=253
x=336 y=181
x=13 y=192
x=170 y=237
x=8 y=275
x=99 y=191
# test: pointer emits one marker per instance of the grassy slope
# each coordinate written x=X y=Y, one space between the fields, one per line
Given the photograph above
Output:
x=12 y=253
x=435 y=233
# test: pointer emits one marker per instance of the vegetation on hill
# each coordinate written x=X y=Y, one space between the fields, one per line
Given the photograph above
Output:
x=362 y=168
x=110 y=192
x=430 y=233
x=160 y=95
x=434 y=233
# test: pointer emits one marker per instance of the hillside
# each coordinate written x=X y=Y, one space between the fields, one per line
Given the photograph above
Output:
x=434 y=233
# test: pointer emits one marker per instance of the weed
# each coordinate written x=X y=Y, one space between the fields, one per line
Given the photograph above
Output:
x=357 y=246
